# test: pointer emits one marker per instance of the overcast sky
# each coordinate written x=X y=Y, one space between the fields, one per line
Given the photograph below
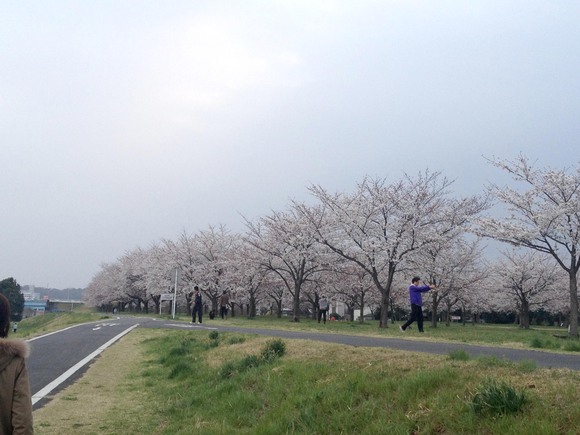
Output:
x=125 y=122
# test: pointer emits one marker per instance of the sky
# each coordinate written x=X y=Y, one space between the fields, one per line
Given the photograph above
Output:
x=124 y=122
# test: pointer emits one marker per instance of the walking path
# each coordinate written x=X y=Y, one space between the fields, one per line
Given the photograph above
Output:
x=541 y=358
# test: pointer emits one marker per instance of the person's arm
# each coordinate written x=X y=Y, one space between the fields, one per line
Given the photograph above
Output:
x=22 y=403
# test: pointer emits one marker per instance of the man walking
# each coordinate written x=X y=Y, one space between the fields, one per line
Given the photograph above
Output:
x=416 y=303
x=197 y=306
x=322 y=308
x=224 y=301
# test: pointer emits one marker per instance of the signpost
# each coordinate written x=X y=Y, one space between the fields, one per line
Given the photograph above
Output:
x=175 y=279
x=165 y=297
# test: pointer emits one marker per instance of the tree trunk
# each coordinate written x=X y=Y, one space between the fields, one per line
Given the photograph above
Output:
x=252 y=313
x=362 y=308
x=525 y=315
x=435 y=306
x=573 y=301
x=296 y=303
x=385 y=294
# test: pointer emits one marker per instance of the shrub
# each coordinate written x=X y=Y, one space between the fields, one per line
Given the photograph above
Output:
x=496 y=398
x=227 y=370
x=273 y=349
x=249 y=362
x=214 y=335
x=536 y=343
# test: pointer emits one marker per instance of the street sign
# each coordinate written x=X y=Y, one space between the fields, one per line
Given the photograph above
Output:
x=166 y=297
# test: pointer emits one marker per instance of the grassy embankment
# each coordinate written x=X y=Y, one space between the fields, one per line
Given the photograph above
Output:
x=182 y=382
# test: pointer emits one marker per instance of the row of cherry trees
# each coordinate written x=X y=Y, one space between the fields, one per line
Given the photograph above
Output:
x=362 y=247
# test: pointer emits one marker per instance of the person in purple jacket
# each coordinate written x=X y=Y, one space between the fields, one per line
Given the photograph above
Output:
x=415 y=291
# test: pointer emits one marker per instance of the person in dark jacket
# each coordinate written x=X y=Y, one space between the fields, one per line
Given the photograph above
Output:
x=15 y=400
x=322 y=308
x=197 y=307
x=415 y=292
x=224 y=301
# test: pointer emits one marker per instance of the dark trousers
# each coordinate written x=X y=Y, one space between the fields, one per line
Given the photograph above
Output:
x=223 y=311
x=416 y=315
x=195 y=310
x=322 y=315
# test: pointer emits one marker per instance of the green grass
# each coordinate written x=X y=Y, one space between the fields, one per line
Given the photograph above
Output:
x=497 y=398
x=50 y=322
x=335 y=395
x=183 y=382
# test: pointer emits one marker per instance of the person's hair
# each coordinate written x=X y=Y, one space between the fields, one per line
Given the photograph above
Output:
x=196 y=288
x=4 y=316
x=415 y=279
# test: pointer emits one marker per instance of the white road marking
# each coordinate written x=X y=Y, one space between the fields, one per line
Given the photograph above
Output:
x=55 y=332
x=186 y=325
x=43 y=392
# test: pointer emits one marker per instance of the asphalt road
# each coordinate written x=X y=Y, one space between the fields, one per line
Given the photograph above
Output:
x=60 y=358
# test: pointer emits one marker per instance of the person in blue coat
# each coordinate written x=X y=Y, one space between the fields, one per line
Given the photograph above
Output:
x=415 y=292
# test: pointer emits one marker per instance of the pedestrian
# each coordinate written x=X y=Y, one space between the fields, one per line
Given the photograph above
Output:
x=224 y=301
x=416 y=303
x=15 y=400
x=197 y=305
x=14 y=327
x=322 y=308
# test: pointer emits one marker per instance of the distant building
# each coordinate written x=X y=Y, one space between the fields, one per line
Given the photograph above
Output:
x=29 y=293
x=33 y=308
x=55 y=305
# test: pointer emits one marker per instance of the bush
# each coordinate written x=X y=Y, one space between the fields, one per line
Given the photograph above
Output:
x=214 y=335
x=227 y=370
x=496 y=398
x=249 y=362
x=273 y=349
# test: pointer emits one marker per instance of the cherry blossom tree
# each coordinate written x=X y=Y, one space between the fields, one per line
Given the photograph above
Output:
x=544 y=215
x=275 y=290
x=184 y=255
x=133 y=268
x=289 y=250
x=106 y=288
x=354 y=287
x=101 y=288
x=247 y=275
x=158 y=276
x=528 y=279
x=453 y=265
x=379 y=225
x=215 y=247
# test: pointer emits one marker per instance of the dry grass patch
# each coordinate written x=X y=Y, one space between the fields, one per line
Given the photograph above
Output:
x=84 y=406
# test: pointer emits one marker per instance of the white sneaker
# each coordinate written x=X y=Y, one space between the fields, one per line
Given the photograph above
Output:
x=401 y=329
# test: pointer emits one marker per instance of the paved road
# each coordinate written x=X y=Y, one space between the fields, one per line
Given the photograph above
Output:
x=57 y=359
x=542 y=359
x=60 y=358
